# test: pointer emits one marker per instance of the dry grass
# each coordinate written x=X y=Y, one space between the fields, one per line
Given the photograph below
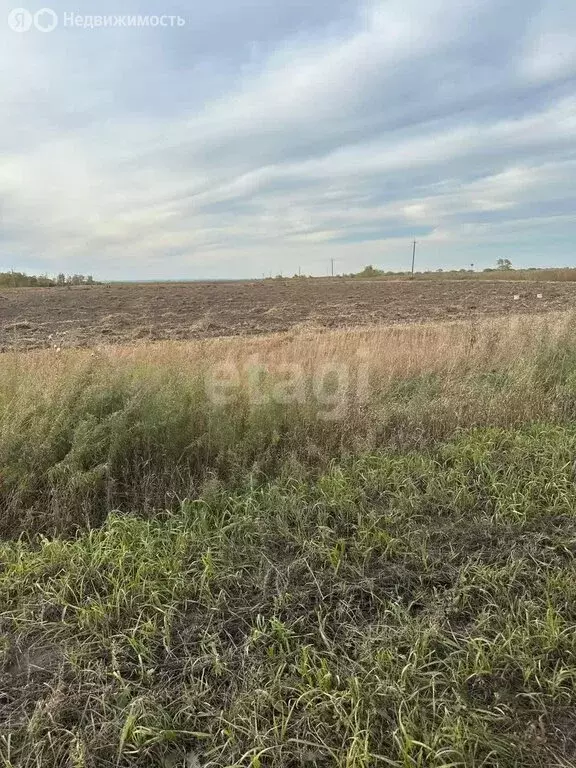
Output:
x=85 y=432
x=390 y=351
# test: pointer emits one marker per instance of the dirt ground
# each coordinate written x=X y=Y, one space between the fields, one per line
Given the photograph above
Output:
x=87 y=315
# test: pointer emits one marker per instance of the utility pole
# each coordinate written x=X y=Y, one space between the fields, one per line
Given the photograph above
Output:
x=413 y=256
x=332 y=267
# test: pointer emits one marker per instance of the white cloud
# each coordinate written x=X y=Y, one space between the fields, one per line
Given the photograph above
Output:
x=342 y=137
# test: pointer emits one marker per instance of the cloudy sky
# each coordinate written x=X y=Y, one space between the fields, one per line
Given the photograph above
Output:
x=267 y=135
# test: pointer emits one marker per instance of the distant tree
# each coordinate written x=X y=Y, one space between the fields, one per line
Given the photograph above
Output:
x=69 y=280
x=370 y=271
x=503 y=265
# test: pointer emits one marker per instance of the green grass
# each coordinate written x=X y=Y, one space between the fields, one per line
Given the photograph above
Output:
x=192 y=585
x=403 y=608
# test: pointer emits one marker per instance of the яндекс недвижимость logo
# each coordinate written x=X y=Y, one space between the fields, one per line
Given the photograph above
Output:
x=22 y=20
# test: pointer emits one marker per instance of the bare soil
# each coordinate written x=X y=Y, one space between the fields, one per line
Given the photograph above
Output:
x=33 y=318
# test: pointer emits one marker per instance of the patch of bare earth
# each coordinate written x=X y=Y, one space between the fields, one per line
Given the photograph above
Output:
x=32 y=318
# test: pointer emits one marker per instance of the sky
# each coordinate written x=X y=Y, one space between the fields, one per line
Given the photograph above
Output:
x=266 y=136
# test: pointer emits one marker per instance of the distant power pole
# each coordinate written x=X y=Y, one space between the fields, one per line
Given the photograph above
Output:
x=413 y=256
x=332 y=267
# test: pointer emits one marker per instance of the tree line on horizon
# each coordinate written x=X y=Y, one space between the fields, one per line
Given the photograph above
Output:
x=22 y=280
x=502 y=265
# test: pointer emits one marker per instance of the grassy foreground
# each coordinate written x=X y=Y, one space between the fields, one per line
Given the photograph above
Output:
x=376 y=568
x=405 y=609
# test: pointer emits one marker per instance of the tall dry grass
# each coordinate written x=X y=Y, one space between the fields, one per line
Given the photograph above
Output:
x=139 y=428
x=391 y=351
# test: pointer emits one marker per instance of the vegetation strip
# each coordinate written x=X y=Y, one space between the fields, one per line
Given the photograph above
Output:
x=403 y=609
